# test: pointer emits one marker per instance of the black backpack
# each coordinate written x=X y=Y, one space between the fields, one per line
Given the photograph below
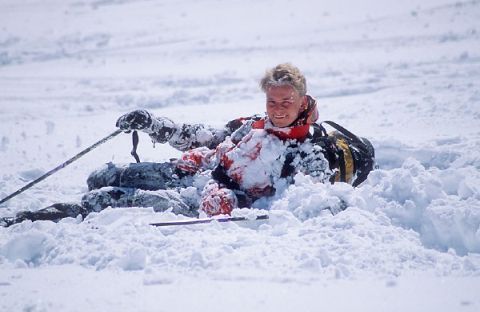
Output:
x=352 y=156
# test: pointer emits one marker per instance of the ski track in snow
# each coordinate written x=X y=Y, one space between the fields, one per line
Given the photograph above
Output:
x=405 y=75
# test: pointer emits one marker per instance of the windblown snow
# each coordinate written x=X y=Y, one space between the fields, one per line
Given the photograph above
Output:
x=404 y=74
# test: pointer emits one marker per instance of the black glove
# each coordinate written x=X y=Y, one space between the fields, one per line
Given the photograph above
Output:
x=136 y=120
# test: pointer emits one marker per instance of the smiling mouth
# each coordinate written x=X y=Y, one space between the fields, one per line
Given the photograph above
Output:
x=279 y=116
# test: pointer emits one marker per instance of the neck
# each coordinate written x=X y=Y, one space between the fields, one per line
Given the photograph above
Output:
x=285 y=133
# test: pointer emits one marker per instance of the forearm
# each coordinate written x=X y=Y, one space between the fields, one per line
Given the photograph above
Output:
x=311 y=160
x=185 y=136
x=181 y=136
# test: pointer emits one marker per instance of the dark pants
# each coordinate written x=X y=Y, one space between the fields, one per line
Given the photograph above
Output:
x=155 y=185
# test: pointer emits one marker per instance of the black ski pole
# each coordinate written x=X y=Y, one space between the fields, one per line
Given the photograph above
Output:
x=61 y=166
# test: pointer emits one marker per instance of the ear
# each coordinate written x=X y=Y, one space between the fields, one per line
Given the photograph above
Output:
x=304 y=103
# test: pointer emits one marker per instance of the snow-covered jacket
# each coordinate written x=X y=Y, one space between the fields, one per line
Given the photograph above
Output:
x=249 y=156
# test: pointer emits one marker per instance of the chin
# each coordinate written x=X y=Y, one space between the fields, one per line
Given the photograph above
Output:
x=281 y=124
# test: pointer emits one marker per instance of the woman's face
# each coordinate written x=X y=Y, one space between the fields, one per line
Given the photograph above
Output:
x=284 y=104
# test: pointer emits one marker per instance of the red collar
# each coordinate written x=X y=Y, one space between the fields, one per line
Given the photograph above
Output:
x=288 y=133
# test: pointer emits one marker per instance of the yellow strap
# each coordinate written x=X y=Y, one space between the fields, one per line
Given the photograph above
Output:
x=347 y=155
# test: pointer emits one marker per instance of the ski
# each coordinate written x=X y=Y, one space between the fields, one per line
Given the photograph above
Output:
x=207 y=220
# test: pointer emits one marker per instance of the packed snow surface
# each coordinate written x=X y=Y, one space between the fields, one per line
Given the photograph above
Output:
x=404 y=74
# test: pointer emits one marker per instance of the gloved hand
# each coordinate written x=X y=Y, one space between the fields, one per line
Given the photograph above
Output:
x=136 y=120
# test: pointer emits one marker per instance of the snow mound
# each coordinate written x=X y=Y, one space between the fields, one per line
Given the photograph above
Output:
x=442 y=206
x=28 y=248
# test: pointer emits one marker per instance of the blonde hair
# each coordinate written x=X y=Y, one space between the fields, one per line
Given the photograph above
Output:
x=284 y=74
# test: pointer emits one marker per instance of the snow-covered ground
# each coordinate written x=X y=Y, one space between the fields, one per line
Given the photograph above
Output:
x=405 y=74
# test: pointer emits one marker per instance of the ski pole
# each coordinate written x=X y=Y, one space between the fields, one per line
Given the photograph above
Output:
x=61 y=166
x=207 y=220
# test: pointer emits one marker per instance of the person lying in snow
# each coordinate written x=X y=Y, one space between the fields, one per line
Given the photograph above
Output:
x=222 y=169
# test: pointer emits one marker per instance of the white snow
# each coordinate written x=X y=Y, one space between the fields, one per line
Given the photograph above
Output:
x=405 y=74
x=255 y=160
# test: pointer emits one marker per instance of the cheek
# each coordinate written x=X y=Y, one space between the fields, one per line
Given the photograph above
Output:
x=269 y=110
x=294 y=112
x=274 y=109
